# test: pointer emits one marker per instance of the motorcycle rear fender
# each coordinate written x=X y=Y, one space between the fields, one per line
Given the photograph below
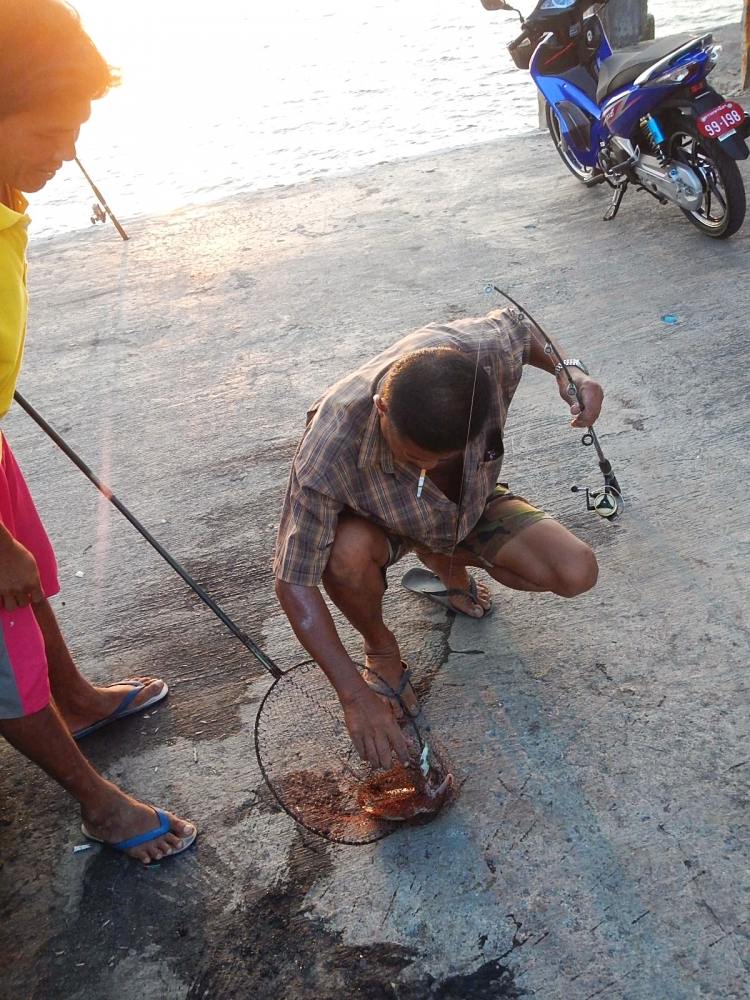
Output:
x=735 y=145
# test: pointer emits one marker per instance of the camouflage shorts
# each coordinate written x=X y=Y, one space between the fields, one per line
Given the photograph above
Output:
x=504 y=516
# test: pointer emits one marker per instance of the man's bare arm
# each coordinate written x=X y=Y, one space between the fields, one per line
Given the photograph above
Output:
x=589 y=390
x=371 y=724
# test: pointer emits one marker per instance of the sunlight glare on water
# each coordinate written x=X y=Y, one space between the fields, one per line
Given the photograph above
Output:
x=226 y=97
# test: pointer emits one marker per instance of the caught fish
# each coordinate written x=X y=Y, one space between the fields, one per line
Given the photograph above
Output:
x=403 y=793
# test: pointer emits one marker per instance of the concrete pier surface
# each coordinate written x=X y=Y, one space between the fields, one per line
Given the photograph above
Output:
x=599 y=844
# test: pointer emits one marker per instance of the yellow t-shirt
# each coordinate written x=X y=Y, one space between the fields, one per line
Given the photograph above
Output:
x=14 y=298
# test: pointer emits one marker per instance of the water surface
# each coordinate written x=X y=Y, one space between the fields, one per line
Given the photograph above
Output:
x=261 y=94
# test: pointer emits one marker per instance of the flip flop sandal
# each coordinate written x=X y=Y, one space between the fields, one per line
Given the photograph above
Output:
x=124 y=709
x=383 y=688
x=144 y=838
x=424 y=582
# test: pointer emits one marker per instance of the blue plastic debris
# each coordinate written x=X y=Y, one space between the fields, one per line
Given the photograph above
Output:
x=670 y=319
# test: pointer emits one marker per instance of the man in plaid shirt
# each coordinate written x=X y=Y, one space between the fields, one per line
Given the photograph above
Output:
x=404 y=455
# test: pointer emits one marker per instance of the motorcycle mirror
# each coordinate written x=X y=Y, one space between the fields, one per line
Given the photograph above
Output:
x=500 y=5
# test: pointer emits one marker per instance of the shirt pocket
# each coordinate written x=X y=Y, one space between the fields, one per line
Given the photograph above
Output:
x=488 y=473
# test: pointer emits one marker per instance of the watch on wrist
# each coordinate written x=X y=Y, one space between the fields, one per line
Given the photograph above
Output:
x=570 y=363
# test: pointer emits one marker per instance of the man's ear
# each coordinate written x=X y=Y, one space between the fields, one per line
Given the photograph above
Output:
x=380 y=404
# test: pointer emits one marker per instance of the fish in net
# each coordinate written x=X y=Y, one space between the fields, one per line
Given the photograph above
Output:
x=311 y=767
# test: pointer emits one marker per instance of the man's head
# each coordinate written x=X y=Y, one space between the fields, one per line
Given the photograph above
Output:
x=50 y=71
x=425 y=402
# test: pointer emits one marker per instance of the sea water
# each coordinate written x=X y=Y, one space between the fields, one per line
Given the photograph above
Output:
x=223 y=98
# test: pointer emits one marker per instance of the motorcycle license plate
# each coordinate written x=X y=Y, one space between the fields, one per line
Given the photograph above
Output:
x=721 y=121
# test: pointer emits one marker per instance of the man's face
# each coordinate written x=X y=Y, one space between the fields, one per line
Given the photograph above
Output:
x=34 y=144
x=407 y=452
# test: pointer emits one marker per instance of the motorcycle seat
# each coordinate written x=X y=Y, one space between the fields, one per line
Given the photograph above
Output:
x=623 y=66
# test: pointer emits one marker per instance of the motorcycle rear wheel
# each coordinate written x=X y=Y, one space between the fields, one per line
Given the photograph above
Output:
x=722 y=210
x=586 y=175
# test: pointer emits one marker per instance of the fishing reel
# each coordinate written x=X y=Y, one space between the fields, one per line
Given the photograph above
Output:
x=606 y=501
x=97 y=213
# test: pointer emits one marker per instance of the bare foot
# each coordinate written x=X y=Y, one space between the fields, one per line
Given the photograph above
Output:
x=123 y=817
x=98 y=703
x=389 y=667
x=456 y=577
x=465 y=602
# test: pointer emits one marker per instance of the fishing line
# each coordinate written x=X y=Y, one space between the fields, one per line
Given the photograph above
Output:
x=459 y=511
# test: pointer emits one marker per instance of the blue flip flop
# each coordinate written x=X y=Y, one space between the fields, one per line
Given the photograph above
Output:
x=124 y=709
x=144 y=838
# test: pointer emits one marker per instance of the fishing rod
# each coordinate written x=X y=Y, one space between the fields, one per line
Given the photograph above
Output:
x=101 y=210
x=106 y=492
x=606 y=501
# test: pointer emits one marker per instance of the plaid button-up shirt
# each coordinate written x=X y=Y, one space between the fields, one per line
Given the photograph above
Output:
x=344 y=463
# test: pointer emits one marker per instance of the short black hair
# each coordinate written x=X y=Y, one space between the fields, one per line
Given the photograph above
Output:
x=46 y=56
x=431 y=394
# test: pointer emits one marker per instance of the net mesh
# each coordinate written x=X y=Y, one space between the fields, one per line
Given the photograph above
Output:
x=309 y=763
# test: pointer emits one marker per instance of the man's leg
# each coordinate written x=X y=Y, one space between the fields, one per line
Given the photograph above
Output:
x=520 y=548
x=109 y=813
x=31 y=722
x=81 y=703
x=354 y=580
x=545 y=556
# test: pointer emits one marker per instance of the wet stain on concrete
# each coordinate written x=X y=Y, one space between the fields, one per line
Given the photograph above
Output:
x=491 y=981
x=273 y=948
x=123 y=911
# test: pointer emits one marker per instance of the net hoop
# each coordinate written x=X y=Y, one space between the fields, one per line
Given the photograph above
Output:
x=309 y=763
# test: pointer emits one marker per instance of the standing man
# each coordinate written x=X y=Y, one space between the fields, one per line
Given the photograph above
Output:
x=404 y=455
x=50 y=71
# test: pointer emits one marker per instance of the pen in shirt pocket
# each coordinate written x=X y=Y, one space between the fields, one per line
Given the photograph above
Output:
x=420 y=484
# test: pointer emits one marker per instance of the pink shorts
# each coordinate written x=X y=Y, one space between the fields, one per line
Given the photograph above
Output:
x=24 y=680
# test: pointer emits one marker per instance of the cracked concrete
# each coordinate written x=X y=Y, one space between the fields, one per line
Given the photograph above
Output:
x=598 y=847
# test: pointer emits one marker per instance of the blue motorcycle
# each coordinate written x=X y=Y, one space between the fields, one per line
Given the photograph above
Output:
x=644 y=116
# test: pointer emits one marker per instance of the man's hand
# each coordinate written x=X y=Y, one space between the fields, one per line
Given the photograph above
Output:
x=372 y=726
x=591 y=395
x=19 y=576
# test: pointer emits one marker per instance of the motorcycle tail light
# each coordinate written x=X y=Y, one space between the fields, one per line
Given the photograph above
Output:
x=676 y=75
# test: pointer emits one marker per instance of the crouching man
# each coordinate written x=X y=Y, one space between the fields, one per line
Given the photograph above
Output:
x=404 y=455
